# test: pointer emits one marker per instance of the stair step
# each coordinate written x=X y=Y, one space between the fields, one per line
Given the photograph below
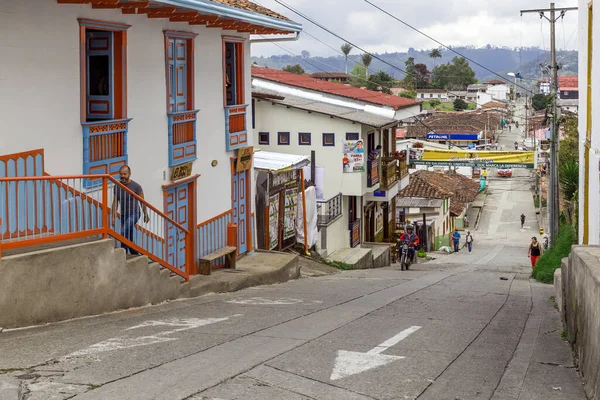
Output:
x=49 y=246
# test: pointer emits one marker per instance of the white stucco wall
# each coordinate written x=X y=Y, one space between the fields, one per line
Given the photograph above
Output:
x=40 y=95
x=277 y=118
x=498 y=92
x=594 y=162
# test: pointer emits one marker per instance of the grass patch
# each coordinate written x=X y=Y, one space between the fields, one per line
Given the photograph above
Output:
x=92 y=386
x=10 y=370
x=340 y=265
x=564 y=335
x=554 y=302
x=551 y=258
x=421 y=253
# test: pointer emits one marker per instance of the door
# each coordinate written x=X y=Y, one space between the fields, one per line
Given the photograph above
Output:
x=177 y=207
x=99 y=91
x=177 y=57
x=239 y=207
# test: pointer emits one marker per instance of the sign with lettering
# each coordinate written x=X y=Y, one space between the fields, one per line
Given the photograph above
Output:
x=244 y=160
x=354 y=156
x=181 y=171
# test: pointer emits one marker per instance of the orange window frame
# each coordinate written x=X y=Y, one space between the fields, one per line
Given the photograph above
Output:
x=239 y=69
x=189 y=37
x=119 y=64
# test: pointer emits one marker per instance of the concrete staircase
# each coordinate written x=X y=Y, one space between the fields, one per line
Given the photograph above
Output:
x=382 y=254
x=369 y=255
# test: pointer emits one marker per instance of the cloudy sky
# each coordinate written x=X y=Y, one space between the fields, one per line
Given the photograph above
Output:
x=453 y=22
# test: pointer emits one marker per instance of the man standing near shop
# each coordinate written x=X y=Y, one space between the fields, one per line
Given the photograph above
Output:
x=130 y=207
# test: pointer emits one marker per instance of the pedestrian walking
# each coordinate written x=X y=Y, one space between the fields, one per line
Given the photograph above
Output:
x=509 y=127
x=456 y=240
x=469 y=241
x=522 y=220
x=535 y=251
x=466 y=220
x=130 y=207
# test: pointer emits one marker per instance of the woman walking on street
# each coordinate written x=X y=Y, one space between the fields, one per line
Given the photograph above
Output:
x=535 y=251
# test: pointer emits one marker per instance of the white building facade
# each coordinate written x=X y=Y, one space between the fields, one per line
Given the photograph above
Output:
x=589 y=117
x=163 y=88
x=291 y=124
x=499 y=92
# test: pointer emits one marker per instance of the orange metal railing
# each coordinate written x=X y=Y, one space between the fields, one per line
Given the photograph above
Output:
x=47 y=209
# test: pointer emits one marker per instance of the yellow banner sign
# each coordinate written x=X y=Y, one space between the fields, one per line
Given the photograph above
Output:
x=473 y=158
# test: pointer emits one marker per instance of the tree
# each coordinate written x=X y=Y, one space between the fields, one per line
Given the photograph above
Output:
x=435 y=53
x=539 y=101
x=434 y=103
x=346 y=49
x=422 y=75
x=408 y=94
x=305 y=54
x=410 y=73
x=366 y=61
x=460 y=105
x=454 y=76
x=381 y=81
x=359 y=76
x=568 y=177
x=568 y=151
x=294 y=69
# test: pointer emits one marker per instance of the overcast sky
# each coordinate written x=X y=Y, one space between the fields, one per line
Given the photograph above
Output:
x=453 y=22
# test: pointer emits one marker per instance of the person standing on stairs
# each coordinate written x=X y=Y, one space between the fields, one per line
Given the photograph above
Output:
x=130 y=207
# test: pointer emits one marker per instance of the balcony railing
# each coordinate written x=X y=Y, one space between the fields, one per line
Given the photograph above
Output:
x=182 y=137
x=402 y=167
x=104 y=148
x=389 y=173
x=236 y=127
x=328 y=211
x=355 y=233
x=372 y=172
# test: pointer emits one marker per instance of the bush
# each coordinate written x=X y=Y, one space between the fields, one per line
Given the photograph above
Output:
x=421 y=253
x=551 y=258
x=434 y=103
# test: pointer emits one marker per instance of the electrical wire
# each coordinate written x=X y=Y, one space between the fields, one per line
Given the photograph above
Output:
x=437 y=41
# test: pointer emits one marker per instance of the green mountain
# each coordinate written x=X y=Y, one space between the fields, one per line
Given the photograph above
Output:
x=500 y=60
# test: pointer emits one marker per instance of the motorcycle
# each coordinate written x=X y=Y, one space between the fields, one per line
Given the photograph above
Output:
x=405 y=258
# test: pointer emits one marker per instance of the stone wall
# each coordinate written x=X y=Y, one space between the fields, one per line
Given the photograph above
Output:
x=79 y=280
x=581 y=305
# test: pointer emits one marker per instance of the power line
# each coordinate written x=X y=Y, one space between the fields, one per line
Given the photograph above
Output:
x=438 y=42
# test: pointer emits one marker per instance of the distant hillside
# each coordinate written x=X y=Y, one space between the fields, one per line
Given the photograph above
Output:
x=499 y=59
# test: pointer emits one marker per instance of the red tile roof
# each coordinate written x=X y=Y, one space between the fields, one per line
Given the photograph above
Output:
x=435 y=185
x=568 y=81
x=338 y=89
x=250 y=6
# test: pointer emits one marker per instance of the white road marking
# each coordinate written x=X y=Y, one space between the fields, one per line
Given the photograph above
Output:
x=130 y=342
x=349 y=363
x=261 y=301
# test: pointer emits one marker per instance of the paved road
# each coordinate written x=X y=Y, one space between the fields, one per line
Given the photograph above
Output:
x=464 y=326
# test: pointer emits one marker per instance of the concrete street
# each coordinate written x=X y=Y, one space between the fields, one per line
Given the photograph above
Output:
x=463 y=326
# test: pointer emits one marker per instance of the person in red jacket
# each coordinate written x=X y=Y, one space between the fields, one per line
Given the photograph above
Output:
x=412 y=239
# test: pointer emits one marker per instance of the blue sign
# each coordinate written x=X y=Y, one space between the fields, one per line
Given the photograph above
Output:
x=437 y=136
x=379 y=193
x=454 y=136
x=471 y=146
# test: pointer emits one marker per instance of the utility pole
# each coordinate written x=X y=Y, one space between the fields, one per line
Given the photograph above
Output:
x=553 y=193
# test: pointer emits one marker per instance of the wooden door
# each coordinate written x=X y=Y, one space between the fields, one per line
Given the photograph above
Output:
x=99 y=67
x=177 y=207
x=230 y=72
x=177 y=58
x=239 y=208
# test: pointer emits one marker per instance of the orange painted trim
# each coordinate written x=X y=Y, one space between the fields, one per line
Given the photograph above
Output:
x=167 y=77
x=23 y=154
x=249 y=240
x=208 y=221
x=82 y=75
x=102 y=25
x=192 y=252
x=240 y=78
x=224 y=71
x=120 y=77
x=191 y=83
x=180 y=34
x=17 y=244
x=234 y=39
x=181 y=182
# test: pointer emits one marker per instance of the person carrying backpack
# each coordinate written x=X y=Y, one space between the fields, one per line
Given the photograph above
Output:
x=469 y=241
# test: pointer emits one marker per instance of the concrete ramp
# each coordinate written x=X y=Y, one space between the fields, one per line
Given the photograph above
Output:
x=382 y=254
x=356 y=258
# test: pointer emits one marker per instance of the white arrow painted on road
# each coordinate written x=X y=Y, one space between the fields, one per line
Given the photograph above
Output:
x=123 y=342
x=349 y=363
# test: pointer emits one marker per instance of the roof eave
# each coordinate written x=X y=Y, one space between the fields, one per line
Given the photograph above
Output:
x=208 y=7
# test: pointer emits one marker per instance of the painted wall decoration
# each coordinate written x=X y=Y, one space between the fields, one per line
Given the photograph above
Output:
x=379 y=219
x=273 y=221
x=291 y=196
x=354 y=156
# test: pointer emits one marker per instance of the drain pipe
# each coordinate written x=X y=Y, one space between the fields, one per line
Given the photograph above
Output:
x=277 y=39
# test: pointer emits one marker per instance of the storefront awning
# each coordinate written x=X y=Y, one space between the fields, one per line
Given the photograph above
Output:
x=278 y=162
